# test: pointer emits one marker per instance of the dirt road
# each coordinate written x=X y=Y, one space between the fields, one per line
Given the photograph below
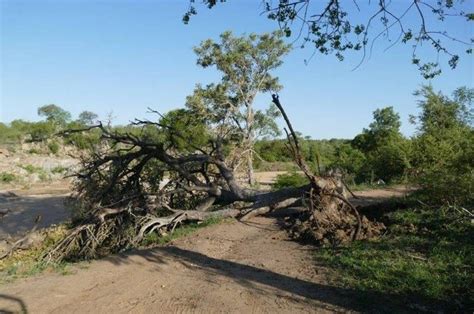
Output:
x=230 y=267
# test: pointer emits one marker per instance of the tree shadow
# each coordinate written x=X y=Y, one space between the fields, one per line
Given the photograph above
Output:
x=24 y=210
x=265 y=281
x=15 y=305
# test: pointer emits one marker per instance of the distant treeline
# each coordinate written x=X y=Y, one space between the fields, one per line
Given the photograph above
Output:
x=439 y=157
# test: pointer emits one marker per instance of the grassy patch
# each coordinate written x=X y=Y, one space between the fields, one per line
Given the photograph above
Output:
x=31 y=169
x=53 y=147
x=156 y=239
x=291 y=179
x=59 y=169
x=425 y=262
x=25 y=263
x=6 y=177
x=34 y=151
x=368 y=186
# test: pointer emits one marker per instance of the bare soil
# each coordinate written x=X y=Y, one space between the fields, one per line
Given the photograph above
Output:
x=22 y=208
x=230 y=267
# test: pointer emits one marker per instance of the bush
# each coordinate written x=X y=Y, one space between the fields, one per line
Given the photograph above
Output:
x=292 y=179
x=447 y=174
x=6 y=177
x=82 y=141
x=33 y=151
x=41 y=131
x=443 y=150
x=30 y=168
x=58 y=169
x=53 y=147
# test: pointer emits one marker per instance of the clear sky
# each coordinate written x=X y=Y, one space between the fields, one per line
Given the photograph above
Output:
x=124 y=56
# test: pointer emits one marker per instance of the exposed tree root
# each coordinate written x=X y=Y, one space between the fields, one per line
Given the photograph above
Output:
x=331 y=218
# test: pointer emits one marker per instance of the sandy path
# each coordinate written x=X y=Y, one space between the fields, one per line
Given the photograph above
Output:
x=230 y=267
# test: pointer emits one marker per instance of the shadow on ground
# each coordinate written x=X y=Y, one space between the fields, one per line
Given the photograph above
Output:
x=259 y=279
x=23 y=211
x=12 y=305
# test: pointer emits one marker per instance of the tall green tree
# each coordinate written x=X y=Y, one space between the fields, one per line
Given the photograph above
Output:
x=444 y=146
x=386 y=150
x=386 y=125
x=87 y=117
x=246 y=64
x=54 y=114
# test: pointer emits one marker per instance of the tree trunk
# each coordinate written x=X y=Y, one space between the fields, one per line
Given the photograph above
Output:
x=250 y=174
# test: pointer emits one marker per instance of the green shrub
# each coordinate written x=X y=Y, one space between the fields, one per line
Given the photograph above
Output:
x=443 y=150
x=6 y=177
x=83 y=141
x=41 y=131
x=292 y=179
x=58 y=169
x=30 y=168
x=43 y=176
x=53 y=147
x=33 y=151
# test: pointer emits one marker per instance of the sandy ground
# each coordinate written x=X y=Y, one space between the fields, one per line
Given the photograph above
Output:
x=231 y=267
x=23 y=207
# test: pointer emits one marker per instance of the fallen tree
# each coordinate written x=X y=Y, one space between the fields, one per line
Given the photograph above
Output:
x=142 y=181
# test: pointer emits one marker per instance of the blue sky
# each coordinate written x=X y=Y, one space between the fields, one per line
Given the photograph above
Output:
x=124 y=56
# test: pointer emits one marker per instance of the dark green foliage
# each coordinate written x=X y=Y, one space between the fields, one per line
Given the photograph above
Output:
x=336 y=27
x=6 y=177
x=87 y=118
x=19 y=130
x=188 y=130
x=427 y=258
x=351 y=161
x=54 y=114
x=273 y=150
x=53 y=147
x=314 y=152
x=443 y=151
x=41 y=131
x=82 y=140
x=292 y=179
x=14 y=132
x=387 y=152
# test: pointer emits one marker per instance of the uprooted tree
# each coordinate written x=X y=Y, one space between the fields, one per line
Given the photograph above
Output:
x=157 y=175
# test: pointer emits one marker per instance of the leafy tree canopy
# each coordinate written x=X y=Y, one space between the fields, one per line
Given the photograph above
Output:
x=54 y=114
x=245 y=63
x=87 y=117
x=335 y=26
